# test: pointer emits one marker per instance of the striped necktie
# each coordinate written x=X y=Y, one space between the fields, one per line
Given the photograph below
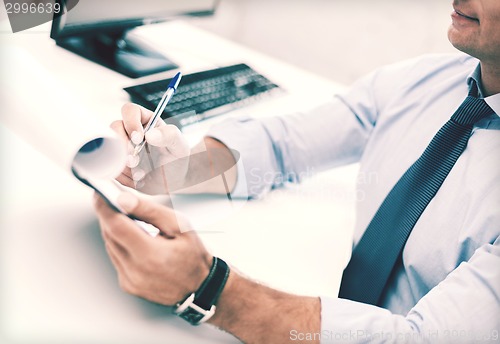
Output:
x=380 y=247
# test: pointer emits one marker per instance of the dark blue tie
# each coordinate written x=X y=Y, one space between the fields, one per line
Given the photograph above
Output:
x=376 y=254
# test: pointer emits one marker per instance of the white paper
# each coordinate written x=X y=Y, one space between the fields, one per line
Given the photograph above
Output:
x=28 y=91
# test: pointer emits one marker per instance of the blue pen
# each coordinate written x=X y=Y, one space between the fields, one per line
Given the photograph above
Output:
x=172 y=87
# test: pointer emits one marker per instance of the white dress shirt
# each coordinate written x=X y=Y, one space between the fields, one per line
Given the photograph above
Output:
x=448 y=287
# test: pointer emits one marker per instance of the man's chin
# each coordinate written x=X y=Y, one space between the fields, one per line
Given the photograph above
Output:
x=459 y=42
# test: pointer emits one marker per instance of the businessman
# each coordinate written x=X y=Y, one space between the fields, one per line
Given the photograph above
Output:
x=426 y=253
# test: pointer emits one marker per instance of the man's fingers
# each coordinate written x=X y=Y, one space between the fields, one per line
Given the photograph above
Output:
x=126 y=181
x=133 y=160
x=169 y=136
x=163 y=218
x=123 y=279
x=134 y=118
x=116 y=253
x=118 y=127
x=122 y=229
x=116 y=249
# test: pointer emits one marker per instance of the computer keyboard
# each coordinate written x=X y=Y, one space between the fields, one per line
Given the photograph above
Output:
x=205 y=94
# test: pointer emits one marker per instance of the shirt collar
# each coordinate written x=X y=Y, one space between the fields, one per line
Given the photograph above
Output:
x=494 y=100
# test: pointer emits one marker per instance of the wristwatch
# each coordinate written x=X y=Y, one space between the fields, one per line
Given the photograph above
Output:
x=200 y=305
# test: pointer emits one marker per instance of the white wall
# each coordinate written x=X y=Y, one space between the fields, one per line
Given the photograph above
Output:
x=340 y=39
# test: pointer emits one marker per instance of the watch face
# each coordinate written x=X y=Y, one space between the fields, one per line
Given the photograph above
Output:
x=191 y=315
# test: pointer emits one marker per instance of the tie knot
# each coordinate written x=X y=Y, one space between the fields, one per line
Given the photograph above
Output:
x=471 y=111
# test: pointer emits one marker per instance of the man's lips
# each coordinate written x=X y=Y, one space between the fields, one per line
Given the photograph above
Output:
x=465 y=16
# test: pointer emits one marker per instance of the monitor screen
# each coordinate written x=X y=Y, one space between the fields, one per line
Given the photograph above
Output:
x=98 y=30
x=89 y=16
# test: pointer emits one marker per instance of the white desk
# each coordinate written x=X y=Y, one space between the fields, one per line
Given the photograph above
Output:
x=57 y=284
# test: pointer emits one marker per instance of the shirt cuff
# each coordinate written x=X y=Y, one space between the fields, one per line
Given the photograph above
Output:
x=256 y=164
x=348 y=321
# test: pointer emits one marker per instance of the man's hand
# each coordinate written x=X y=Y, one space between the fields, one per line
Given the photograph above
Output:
x=148 y=172
x=164 y=269
x=167 y=268
x=166 y=163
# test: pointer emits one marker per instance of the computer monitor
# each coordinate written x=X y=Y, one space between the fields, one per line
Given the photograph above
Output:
x=97 y=30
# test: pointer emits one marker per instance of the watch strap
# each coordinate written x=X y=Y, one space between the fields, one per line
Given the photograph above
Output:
x=199 y=306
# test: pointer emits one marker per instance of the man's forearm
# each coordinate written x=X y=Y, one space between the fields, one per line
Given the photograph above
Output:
x=257 y=314
x=250 y=311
